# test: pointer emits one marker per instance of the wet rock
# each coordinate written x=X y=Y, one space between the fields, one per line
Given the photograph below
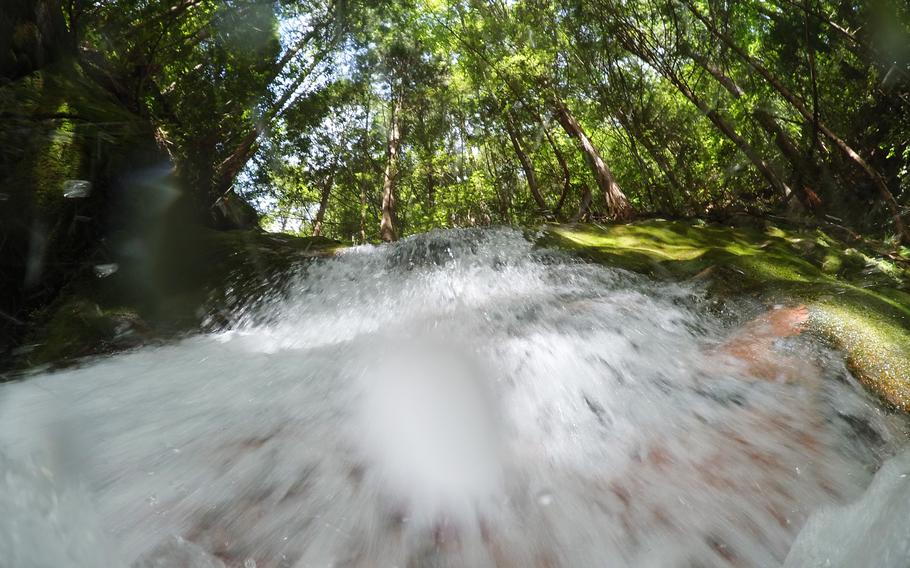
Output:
x=79 y=327
x=232 y=212
x=856 y=298
x=876 y=342
x=67 y=150
x=195 y=279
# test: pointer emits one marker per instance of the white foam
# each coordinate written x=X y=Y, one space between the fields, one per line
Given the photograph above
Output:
x=456 y=399
x=871 y=531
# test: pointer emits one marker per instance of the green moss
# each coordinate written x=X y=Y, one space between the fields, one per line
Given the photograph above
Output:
x=62 y=130
x=78 y=327
x=875 y=340
x=855 y=298
x=832 y=264
x=206 y=269
x=682 y=250
x=193 y=273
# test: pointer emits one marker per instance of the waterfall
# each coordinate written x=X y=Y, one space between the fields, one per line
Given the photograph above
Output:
x=459 y=398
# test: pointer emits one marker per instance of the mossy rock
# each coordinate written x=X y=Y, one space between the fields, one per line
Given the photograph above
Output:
x=204 y=270
x=857 y=299
x=83 y=186
x=193 y=275
x=875 y=340
x=69 y=153
x=79 y=327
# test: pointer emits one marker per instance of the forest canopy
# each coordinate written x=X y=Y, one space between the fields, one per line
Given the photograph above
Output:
x=367 y=120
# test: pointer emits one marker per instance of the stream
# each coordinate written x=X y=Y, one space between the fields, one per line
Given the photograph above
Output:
x=460 y=398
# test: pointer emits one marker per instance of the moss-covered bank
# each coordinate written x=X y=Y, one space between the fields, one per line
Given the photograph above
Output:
x=193 y=277
x=857 y=300
x=69 y=158
x=100 y=248
x=187 y=282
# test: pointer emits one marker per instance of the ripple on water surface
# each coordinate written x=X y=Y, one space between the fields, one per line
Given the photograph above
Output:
x=456 y=399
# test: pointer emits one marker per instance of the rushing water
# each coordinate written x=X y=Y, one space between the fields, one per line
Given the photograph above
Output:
x=457 y=399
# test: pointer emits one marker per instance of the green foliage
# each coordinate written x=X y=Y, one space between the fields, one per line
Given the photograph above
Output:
x=467 y=68
x=285 y=99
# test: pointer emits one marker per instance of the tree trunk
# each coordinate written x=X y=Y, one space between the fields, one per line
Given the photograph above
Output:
x=800 y=107
x=632 y=126
x=664 y=204
x=323 y=204
x=863 y=51
x=387 y=229
x=657 y=155
x=503 y=200
x=431 y=185
x=362 y=181
x=804 y=170
x=566 y=175
x=616 y=202
x=583 y=205
x=526 y=165
x=228 y=170
x=715 y=117
x=363 y=214
x=726 y=82
x=727 y=129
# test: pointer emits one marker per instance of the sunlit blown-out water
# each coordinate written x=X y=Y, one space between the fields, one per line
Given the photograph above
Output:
x=457 y=399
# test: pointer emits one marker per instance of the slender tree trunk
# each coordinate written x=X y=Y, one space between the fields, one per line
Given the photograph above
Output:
x=387 y=229
x=657 y=155
x=363 y=214
x=228 y=170
x=648 y=55
x=583 y=205
x=725 y=81
x=365 y=150
x=805 y=171
x=800 y=107
x=662 y=204
x=526 y=165
x=616 y=202
x=635 y=42
x=566 y=174
x=617 y=80
x=431 y=188
x=502 y=200
x=431 y=175
x=863 y=51
x=727 y=129
x=323 y=204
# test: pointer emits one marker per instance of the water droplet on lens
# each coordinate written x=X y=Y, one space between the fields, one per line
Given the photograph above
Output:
x=105 y=270
x=76 y=188
x=545 y=499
